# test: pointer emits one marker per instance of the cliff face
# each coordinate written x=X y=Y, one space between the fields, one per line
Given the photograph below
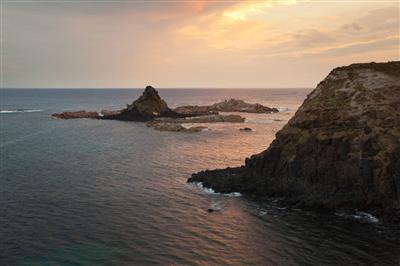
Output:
x=340 y=150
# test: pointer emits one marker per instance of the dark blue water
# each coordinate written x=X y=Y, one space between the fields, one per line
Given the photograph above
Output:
x=92 y=192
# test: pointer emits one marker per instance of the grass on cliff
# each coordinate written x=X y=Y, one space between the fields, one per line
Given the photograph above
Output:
x=390 y=68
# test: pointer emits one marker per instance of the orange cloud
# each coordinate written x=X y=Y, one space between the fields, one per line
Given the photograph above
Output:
x=234 y=27
x=198 y=5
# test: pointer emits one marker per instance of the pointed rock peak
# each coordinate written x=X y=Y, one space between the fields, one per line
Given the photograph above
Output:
x=150 y=94
x=147 y=106
x=150 y=90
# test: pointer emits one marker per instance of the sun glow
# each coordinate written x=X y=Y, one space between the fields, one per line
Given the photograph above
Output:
x=248 y=9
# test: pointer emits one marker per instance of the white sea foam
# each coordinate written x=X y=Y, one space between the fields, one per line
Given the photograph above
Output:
x=262 y=212
x=212 y=191
x=20 y=111
x=282 y=109
x=366 y=217
x=217 y=206
x=362 y=216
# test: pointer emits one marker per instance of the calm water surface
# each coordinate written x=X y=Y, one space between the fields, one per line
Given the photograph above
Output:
x=92 y=192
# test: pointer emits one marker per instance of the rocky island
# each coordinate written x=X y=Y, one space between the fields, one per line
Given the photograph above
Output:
x=151 y=108
x=147 y=107
x=341 y=150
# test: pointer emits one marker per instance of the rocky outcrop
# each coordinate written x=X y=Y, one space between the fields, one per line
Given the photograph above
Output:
x=205 y=119
x=175 y=124
x=234 y=105
x=340 y=150
x=231 y=105
x=147 y=107
x=174 y=127
x=195 y=110
x=77 y=114
x=151 y=106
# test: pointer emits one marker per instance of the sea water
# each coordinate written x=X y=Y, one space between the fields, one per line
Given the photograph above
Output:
x=94 y=192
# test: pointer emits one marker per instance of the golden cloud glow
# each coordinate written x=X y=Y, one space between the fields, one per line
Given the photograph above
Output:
x=247 y=9
x=239 y=26
x=226 y=43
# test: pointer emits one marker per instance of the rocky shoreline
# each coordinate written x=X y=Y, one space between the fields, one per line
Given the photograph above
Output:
x=341 y=150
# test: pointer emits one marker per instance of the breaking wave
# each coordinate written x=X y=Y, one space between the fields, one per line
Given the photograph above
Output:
x=13 y=111
x=211 y=191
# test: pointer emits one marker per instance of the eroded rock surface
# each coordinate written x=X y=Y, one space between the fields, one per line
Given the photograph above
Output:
x=205 y=119
x=77 y=114
x=145 y=108
x=176 y=124
x=174 y=127
x=340 y=150
x=231 y=105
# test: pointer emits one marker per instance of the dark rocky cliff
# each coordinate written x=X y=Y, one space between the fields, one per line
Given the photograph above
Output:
x=340 y=150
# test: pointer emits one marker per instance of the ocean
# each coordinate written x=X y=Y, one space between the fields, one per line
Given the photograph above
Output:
x=94 y=192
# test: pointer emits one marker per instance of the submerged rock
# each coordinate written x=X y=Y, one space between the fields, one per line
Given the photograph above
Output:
x=340 y=150
x=231 y=105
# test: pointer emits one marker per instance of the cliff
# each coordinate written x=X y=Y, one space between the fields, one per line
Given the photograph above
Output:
x=340 y=150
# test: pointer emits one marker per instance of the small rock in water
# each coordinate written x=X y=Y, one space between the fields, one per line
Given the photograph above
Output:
x=246 y=129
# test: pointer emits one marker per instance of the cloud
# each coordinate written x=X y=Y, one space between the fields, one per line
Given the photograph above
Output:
x=352 y=27
x=190 y=43
x=390 y=43
x=311 y=38
x=234 y=27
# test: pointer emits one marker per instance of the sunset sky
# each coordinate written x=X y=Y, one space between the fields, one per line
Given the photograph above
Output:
x=184 y=44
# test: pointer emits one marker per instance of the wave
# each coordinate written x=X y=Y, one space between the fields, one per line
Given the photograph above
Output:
x=13 y=111
x=282 y=109
x=212 y=191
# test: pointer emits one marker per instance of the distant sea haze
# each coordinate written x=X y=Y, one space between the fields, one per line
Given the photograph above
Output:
x=94 y=192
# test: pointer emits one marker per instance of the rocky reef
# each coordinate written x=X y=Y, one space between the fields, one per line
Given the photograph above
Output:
x=147 y=107
x=174 y=127
x=77 y=114
x=176 y=124
x=231 y=105
x=204 y=119
x=151 y=108
x=340 y=150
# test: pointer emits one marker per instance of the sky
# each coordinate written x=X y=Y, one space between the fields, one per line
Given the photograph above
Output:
x=190 y=44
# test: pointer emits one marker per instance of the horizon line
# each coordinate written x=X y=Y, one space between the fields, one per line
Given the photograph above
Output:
x=158 y=88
